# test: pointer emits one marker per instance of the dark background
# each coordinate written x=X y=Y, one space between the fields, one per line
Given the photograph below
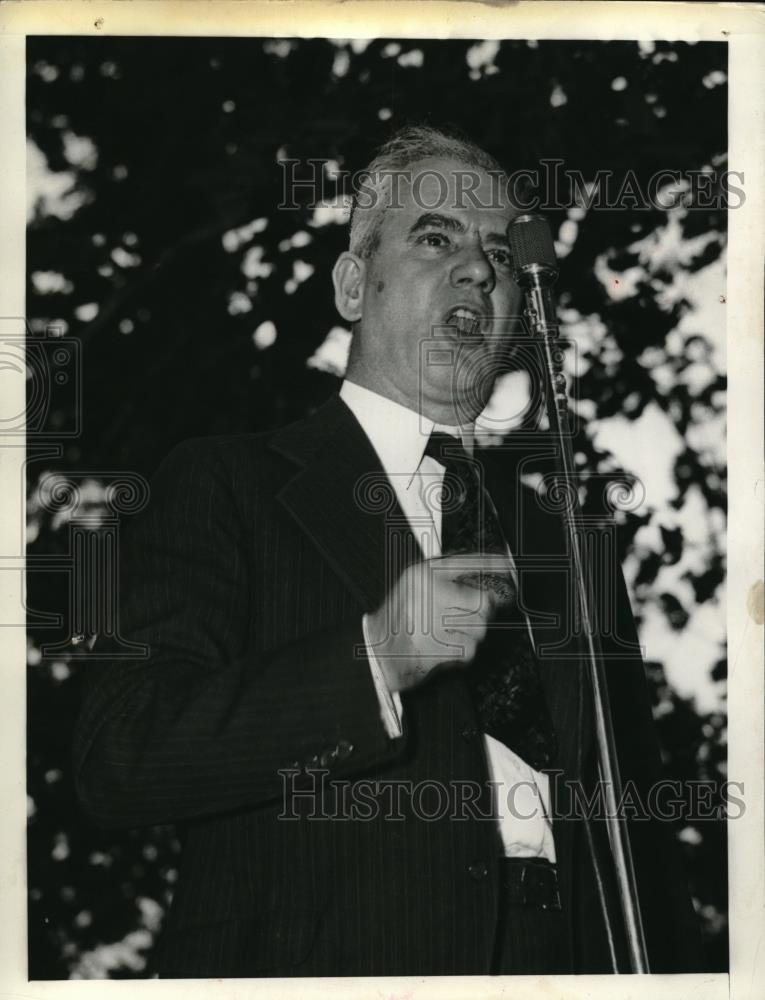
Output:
x=158 y=148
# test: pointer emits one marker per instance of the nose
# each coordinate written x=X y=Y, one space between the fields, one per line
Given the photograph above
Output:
x=473 y=268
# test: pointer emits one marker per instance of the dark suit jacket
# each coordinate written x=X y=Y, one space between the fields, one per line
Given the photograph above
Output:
x=247 y=576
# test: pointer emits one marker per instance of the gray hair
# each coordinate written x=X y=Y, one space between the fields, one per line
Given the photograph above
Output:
x=405 y=147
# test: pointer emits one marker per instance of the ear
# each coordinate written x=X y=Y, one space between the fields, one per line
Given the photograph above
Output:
x=348 y=276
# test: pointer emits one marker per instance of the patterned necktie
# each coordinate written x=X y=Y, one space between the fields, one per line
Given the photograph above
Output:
x=503 y=677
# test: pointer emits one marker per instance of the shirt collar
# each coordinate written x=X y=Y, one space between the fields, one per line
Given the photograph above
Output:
x=398 y=434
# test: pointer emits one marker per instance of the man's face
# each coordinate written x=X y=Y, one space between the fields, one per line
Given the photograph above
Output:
x=438 y=295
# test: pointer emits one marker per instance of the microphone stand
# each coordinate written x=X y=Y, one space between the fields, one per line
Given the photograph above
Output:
x=535 y=270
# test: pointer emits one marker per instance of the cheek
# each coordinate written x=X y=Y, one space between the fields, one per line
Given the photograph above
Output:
x=508 y=307
x=510 y=295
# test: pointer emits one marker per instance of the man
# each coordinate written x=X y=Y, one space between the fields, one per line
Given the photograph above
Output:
x=317 y=630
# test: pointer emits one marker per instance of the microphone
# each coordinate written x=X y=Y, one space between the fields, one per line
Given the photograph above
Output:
x=535 y=270
x=533 y=251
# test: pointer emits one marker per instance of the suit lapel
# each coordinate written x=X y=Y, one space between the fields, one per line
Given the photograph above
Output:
x=532 y=539
x=342 y=500
x=537 y=539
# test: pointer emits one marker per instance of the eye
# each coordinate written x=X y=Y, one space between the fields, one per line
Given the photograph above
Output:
x=500 y=256
x=434 y=239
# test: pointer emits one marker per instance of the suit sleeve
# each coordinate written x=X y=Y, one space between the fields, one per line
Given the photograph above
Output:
x=200 y=724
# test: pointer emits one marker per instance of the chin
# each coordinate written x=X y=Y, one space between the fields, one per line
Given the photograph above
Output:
x=452 y=408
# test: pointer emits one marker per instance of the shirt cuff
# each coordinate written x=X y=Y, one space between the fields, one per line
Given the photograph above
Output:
x=390 y=702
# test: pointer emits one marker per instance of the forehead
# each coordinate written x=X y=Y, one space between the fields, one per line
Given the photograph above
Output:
x=450 y=187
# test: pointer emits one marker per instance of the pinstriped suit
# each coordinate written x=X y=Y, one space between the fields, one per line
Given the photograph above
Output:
x=247 y=576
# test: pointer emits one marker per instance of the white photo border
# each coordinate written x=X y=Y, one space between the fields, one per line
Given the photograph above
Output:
x=743 y=27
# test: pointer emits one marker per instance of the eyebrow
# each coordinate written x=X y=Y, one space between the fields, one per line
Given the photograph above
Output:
x=430 y=220
x=435 y=219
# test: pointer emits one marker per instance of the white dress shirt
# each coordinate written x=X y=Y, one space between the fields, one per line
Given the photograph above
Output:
x=399 y=436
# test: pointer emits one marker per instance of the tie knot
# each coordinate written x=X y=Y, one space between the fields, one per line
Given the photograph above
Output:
x=446 y=449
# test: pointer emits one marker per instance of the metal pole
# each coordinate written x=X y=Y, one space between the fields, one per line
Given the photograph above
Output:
x=541 y=313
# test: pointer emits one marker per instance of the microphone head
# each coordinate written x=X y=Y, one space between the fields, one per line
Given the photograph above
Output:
x=532 y=248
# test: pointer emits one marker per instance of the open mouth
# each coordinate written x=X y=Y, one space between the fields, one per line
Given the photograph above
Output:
x=465 y=321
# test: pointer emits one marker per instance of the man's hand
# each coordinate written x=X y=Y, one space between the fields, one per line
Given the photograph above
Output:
x=436 y=615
